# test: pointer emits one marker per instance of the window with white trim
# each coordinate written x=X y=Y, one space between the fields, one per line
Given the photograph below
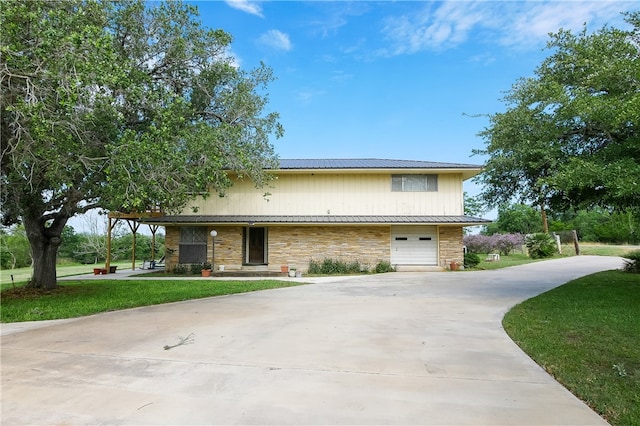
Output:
x=414 y=183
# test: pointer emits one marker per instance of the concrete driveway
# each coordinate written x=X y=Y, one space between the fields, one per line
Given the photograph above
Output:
x=399 y=348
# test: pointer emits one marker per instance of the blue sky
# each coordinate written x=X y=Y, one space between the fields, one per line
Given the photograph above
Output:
x=394 y=79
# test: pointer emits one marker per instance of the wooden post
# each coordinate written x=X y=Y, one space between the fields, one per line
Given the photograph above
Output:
x=108 y=261
x=110 y=227
x=575 y=242
x=154 y=229
x=134 y=229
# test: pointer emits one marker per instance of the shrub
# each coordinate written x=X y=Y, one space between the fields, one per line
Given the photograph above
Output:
x=196 y=268
x=632 y=262
x=540 y=245
x=502 y=243
x=506 y=243
x=335 y=267
x=471 y=260
x=180 y=269
x=477 y=243
x=384 y=266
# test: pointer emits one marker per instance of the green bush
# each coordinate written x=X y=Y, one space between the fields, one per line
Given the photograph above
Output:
x=540 y=245
x=335 y=267
x=181 y=269
x=632 y=262
x=471 y=260
x=384 y=266
x=196 y=268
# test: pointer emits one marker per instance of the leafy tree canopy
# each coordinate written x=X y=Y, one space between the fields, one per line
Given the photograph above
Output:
x=569 y=136
x=120 y=106
x=516 y=219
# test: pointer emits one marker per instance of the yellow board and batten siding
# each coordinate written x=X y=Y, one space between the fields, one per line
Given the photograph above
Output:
x=334 y=194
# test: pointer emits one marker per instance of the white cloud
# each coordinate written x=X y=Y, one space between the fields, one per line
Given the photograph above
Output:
x=247 y=6
x=533 y=24
x=332 y=16
x=306 y=96
x=434 y=28
x=341 y=76
x=440 y=26
x=483 y=58
x=276 y=40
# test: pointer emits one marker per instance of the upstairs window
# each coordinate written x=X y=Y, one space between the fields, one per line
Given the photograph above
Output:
x=414 y=183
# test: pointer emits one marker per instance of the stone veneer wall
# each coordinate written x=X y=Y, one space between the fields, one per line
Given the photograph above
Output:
x=171 y=244
x=228 y=247
x=451 y=245
x=297 y=245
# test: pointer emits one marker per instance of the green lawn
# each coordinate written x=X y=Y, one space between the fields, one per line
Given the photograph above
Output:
x=599 y=249
x=515 y=259
x=586 y=334
x=21 y=275
x=78 y=298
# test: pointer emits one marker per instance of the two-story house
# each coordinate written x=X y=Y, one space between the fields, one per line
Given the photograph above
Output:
x=409 y=213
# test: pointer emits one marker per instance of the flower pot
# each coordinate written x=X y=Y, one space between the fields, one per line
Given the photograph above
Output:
x=284 y=268
x=454 y=265
x=220 y=267
x=206 y=272
x=292 y=273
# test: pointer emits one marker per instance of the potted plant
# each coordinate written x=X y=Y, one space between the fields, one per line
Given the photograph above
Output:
x=206 y=269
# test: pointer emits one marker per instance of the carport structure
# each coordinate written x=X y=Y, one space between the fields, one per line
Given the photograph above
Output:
x=133 y=221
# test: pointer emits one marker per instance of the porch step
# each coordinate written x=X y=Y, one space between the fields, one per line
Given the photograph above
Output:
x=264 y=268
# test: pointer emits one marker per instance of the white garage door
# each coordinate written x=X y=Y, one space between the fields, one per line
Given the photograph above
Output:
x=414 y=245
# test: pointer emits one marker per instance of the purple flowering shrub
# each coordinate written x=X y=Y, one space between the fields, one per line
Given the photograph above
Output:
x=501 y=243
x=477 y=243
x=506 y=243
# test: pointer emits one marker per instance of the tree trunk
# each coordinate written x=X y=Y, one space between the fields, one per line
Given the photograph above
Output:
x=45 y=242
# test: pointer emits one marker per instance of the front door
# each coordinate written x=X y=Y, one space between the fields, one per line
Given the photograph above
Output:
x=256 y=245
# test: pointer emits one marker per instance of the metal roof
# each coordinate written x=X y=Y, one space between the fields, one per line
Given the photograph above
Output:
x=313 y=220
x=368 y=163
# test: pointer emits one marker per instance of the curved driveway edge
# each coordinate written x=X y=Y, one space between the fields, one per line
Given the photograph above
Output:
x=398 y=348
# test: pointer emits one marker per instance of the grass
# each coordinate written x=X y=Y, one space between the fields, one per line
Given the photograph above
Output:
x=21 y=275
x=598 y=249
x=79 y=298
x=586 y=334
x=515 y=259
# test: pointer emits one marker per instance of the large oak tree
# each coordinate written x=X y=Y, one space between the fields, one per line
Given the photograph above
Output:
x=569 y=137
x=120 y=106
